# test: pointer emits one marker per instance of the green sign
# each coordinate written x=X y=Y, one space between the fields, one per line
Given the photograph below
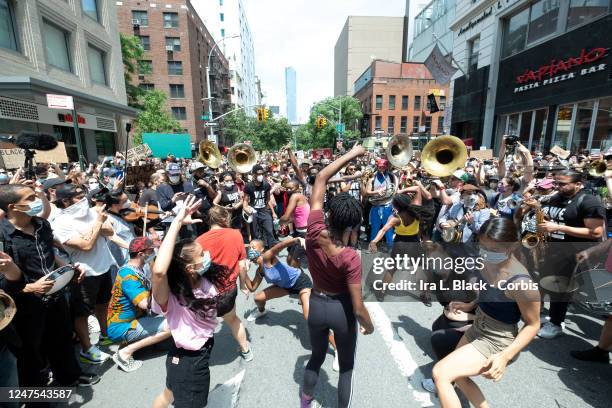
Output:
x=340 y=127
x=163 y=144
x=205 y=117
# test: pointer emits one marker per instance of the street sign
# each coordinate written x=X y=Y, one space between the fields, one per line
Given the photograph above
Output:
x=212 y=138
x=340 y=127
x=205 y=117
x=60 y=101
x=210 y=124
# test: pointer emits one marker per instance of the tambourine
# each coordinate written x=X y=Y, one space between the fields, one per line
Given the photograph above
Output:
x=61 y=277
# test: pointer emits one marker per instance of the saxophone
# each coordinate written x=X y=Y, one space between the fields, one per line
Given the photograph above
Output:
x=532 y=240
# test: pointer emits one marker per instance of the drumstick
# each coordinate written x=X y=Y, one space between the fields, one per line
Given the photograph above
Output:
x=144 y=222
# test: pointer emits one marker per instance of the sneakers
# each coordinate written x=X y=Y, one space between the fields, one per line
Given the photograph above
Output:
x=104 y=341
x=308 y=402
x=247 y=355
x=550 y=331
x=94 y=356
x=256 y=314
x=92 y=324
x=336 y=364
x=87 y=380
x=429 y=385
x=595 y=354
x=128 y=365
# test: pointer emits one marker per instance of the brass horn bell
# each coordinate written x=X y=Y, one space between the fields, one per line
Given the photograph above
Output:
x=598 y=168
x=399 y=151
x=209 y=154
x=241 y=157
x=443 y=155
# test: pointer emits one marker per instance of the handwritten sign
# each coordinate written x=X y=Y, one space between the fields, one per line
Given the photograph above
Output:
x=325 y=153
x=136 y=174
x=57 y=155
x=12 y=158
x=138 y=152
x=558 y=151
x=486 y=154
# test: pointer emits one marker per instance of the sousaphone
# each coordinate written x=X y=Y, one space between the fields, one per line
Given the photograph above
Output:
x=242 y=157
x=209 y=154
x=443 y=155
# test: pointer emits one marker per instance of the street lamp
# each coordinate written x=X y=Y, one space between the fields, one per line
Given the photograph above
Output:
x=212 y=132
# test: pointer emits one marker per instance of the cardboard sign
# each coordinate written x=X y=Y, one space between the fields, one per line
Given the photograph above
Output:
x=57 y=155
x=558 y=151
x=138 y=152
x=486 y=154
x=325 y=153
x=136 y=174
x=12 y=158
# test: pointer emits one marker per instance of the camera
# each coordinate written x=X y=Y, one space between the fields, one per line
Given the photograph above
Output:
x=511 y=140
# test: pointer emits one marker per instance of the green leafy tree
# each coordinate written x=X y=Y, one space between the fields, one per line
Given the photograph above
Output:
x=269 y=135
x=311 y=137
x=132 y=53
x=154 y=117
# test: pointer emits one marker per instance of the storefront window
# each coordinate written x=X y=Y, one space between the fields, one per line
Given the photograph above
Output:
x=513 y=124
x=515 y=33
x=581 y=11
x=582 y=126
x=539 y=130
x=523 y=133
x=563 y=127
x=66 y=135
x=602 y=137
x=543 y=19
x=105 y=143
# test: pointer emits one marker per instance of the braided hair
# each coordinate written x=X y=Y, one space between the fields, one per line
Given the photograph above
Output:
x=344 y=211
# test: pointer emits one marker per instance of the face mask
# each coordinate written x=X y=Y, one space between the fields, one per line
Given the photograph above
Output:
x=174 y=179
x=260 y=178
x=493 y=186
x=253 y=254
x=4 y=179
x=501 y=189
x=150 y=258
x=275 y=174
x=229 y=184
x=493 y=257
x=35 y=207
x=372 y=162
x=41 y=179
x=311 y=179
x=206 y=261
x=94 y=186
x=127 y=204
x=470 y=201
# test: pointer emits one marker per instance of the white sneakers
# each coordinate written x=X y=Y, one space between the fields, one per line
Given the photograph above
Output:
x=550 y=331
x=94 y=355
x=255 y=314
x=336 y=364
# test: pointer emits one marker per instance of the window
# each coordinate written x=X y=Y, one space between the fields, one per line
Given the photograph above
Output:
x=378 y=102
x=427 y=123
x=391 y=125
x=147 y=87
x=405 y=102
x=177 y=91
x=525 y=128
x=515 y=33
x=415 y=124
x=97 y=71
x=105 y=143
x=146 y=42
x=417 y=102
x=179 y=112
x=141 y=17
x=175 y=68
x=145 y=67
x=442 y=103
x=56 y=46
x=173 y=42
x=223 y=32
x=581 y=11
x=8 y=34
x=403 y=124
x=603 y=125
x=473 y=49
x=563 y=126
x=378 y=123
x=171 y=20
x=90 y=8
x=543 y=19
x=539 y=130
x=580 y=136
x=221 y=16
x=391 y=102
x=440 y=125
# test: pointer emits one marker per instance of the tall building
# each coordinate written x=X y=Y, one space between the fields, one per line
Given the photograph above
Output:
x=69 y=48
x=431 y=26
x=362 y=40
x=177 y=45
x=225 y=19
x=393 y=99
x=290 y=94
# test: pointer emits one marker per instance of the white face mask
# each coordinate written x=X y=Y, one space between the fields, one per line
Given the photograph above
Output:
x=275 y=174
x=94 y=186
x=260 y=178
x=174 y=179
x=229 y=184
x=470 y=201
x=493 y=257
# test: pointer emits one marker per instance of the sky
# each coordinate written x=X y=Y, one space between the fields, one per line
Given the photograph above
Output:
x=302 y=34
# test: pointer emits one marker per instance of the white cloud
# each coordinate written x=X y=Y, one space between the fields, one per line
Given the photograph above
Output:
x=302 y=34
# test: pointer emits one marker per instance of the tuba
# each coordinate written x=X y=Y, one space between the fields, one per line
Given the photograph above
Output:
x=443 y=155
x=209 y=154
x=598 y=168
x=241 y=157
x=399 y=150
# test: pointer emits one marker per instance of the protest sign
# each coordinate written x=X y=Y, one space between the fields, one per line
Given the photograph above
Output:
x=57 y=155
x=136 y=174
x=486 y=154
x=139 y=152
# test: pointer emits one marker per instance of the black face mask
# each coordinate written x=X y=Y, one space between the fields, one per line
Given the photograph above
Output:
x=311 y=179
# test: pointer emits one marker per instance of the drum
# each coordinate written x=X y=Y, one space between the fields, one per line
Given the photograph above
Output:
x=594 y=294
x=62 y=277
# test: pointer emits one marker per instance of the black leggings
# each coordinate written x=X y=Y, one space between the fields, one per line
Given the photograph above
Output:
x=335 y=313
x=446 y=335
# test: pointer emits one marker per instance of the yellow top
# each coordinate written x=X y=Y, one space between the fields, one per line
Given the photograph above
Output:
x=412 y=229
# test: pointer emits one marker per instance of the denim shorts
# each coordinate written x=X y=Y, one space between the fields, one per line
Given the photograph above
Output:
x=145 y=327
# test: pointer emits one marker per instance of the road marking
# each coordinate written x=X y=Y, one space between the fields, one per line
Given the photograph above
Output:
x=226 y=394
x=400 y=354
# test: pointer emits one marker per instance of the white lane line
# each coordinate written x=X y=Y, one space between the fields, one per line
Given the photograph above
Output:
x=400 y=354
x=226 y=394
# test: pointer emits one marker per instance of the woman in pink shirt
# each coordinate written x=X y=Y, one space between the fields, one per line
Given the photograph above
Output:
x=183 y=279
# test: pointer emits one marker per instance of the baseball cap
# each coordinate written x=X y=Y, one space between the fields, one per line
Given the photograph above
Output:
x=195 y=165
x=66 y=191
x=173 y=169
x=461 y=175
x=52 y=182
x=141 y=244
x=545 y=184
x=469 y=187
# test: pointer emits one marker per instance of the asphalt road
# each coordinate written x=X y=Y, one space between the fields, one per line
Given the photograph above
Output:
x=390 y=364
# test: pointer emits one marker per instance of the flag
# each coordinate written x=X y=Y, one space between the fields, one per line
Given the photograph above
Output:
x=432 y=106
x=439 y=67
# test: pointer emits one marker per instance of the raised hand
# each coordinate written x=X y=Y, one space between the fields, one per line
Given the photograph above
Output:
x=190 y=206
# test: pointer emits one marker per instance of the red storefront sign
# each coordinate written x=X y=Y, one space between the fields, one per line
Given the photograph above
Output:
x=68 y=118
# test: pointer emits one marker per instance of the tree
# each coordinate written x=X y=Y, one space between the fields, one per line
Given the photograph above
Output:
x=154 y=117
x=269 y=135
x=132 y=53
x=310 y=137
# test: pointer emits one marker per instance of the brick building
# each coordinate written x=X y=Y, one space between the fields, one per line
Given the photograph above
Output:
x=393 y=99
x=177 y=45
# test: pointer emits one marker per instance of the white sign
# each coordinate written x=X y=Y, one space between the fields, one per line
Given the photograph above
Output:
x=439 y=67
x=60 y=101
x=448 y=116
x=212 y=138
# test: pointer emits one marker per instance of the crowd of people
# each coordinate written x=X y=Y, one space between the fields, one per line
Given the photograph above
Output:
x=163 y=259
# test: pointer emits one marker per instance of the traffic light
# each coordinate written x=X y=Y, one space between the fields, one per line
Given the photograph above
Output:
x=260 y=114
x=323 y=121
x=266 y=113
